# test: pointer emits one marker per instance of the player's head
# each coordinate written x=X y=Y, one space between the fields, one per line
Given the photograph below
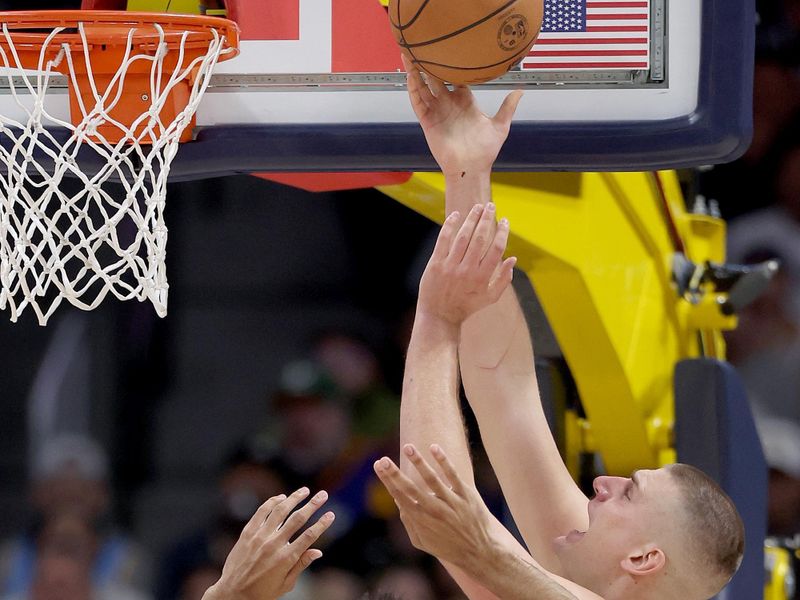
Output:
x=669 y=533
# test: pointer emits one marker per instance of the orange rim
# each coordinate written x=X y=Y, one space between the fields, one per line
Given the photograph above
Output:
x=28 y=30
x=98 y=49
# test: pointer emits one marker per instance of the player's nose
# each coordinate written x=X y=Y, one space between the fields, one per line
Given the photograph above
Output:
x=600 y=485
x=605 y=487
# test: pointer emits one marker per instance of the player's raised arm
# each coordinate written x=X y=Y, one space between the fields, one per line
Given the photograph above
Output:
x=495 y=351
x=429 y=409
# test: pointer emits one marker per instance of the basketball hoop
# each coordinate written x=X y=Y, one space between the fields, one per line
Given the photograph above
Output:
x=135 y=82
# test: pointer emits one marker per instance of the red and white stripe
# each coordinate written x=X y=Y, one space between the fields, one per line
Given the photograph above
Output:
x=617 y=36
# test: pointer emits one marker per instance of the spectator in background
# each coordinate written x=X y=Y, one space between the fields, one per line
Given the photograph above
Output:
x=71 y=535
x=776 y=228
x=740 y=185
x=312 y=424
x=249 y=477
x=316 y=445
x=781 y=442
x=777 y=74
x=331 y=583
x=67 y=552
x=356 y=371
x=765 y=347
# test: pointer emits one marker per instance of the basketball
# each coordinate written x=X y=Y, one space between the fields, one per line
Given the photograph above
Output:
x=465 y=42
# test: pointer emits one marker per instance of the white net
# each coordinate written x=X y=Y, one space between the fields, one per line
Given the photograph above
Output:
x=82 y=217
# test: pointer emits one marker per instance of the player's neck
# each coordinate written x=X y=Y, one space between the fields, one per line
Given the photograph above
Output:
x=626 y=588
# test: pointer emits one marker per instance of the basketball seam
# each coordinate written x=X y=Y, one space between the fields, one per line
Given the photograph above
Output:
x=403 y=37
x=455 y=68
x=463 y=29
x=413 y=19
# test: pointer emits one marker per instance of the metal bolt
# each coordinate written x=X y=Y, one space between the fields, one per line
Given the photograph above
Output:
x=700 y=207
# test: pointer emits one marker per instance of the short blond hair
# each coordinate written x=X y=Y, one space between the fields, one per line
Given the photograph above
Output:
x=714 y=524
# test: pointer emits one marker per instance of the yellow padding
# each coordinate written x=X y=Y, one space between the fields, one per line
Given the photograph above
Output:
x=384 y=2
x=185 y=7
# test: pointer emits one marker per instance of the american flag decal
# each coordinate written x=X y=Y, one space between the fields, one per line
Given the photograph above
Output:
x=592 y=34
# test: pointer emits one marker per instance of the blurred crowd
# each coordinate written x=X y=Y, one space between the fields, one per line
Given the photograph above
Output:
x=332 y=417
x=760 y=196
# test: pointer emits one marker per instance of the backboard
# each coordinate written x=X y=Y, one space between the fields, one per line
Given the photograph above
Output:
x=610 y=85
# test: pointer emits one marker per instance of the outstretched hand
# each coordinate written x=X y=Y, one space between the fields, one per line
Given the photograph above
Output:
x=466 y=271
x=461 y=137
x=443 y=516
x=265 y=563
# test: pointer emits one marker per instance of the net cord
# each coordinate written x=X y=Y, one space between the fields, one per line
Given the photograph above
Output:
x=44 y=231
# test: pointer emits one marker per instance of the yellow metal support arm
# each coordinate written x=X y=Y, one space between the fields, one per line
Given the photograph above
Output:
x=599 y=249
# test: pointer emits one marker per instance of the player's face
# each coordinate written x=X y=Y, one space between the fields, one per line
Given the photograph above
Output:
x=625 y=514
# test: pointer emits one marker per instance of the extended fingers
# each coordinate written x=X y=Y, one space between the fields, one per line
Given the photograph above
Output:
x=508 y=108
x=429 y=476
x=503 y=278
x=438 y=87
x=284 y=508
x=301 y=565
x=303 y=542
x=260 y=516
x=300 y=517
x=463 y=93
x=464 y=235
x=445 y=238
x=402 y=489
x=481 y=238
x=456 y=483
x=497 y=246
x=419 y=93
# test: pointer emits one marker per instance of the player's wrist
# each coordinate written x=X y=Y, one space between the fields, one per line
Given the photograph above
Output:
x=467 y=174
x=467 y=188
x=483 y=559
x=465 y=191
x=436 y=324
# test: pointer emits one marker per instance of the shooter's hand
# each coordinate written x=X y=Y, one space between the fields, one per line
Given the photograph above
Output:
x=466 y=271
x=461 y=137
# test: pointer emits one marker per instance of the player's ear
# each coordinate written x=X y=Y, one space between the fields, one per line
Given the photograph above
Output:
x=646 y=560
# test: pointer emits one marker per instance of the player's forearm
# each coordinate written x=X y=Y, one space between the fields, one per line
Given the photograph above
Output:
x=498 y=336
x=511 y=577
x=492 y=327
x=465 y=187
x=541 y=496
x=429 y=409
x=497 y=365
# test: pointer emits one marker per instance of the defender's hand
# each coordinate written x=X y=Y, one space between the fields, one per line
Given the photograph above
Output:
x=264 y=564
x=461 y=137
x=466 y=271
x=444 y=516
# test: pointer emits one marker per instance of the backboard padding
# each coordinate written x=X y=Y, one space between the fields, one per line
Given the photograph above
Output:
x=332 y=99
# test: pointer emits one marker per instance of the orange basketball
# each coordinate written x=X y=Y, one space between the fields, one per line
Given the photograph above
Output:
x=465 y=41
